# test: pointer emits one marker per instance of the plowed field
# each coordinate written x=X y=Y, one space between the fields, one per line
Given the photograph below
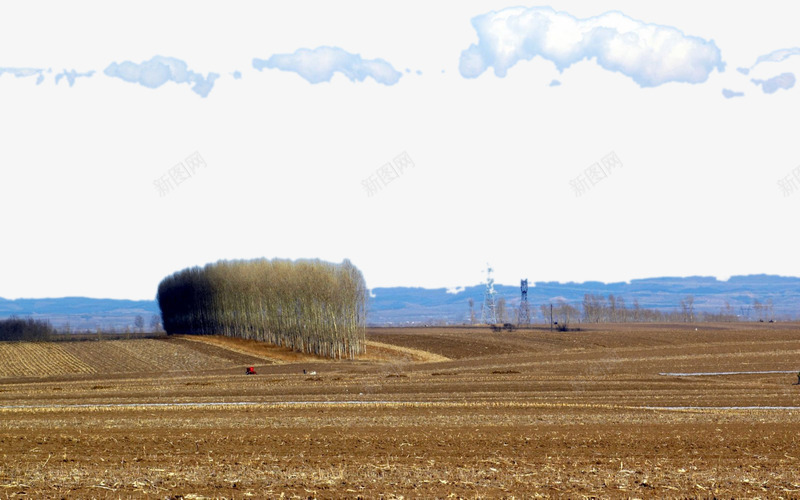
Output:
x=431 y=413
x=155 y=356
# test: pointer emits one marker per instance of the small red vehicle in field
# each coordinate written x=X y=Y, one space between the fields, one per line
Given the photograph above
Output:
x=251 y=370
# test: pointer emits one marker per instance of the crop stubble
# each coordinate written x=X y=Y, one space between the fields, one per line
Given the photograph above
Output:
x=553 y=414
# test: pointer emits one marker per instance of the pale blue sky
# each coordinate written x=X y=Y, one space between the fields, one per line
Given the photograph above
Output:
x=419 y=141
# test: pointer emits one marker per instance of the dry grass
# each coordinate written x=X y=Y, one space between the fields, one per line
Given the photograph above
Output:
x=394 y=352
x=266 y=352
x=376 y=351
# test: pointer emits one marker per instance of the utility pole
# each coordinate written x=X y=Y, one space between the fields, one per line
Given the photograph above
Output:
x=551 y=317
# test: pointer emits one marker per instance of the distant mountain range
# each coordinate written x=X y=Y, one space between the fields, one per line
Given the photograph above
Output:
x=403 y=305
x=82 y=313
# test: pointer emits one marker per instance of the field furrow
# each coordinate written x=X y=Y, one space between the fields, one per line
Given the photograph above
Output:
x=43 y=359
x=534 y=413
x=37 y=359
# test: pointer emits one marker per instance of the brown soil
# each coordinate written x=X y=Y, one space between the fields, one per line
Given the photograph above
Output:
x=507 y=415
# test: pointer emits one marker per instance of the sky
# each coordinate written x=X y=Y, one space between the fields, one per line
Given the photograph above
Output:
x=562 y=141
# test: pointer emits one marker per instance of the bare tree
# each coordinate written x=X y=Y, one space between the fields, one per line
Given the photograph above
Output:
x=139 y=323
x=501 y=310
x=758 y=308
x=471 y=311
x=592 y=308
x=687 y=309
x=612 y=308
x=565 y=313
x=745 y=310
x=622 y=312
x=155 y=323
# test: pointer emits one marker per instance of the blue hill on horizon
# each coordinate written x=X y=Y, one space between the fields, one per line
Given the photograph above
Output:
x=393 y=305
x=412 y=305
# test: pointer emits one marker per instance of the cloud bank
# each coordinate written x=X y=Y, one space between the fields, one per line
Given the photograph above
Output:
x=318 y=65
x=772 y=85
x=160 y=70
x=650 y=54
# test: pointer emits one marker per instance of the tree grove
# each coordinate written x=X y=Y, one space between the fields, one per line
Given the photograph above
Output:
x=310 y=306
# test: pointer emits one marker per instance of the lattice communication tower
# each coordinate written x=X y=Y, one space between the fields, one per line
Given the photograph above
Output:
x=488 y=311
x=524 y=307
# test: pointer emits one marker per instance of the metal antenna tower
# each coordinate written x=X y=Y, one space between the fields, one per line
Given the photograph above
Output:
x=524 y=307
x=488 y=312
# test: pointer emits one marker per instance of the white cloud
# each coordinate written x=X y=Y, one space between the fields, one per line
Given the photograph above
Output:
x=774 y=56
x=777 y=56
x=771 y=85
x=25 y=72
x=158 y=71
x=72 y=75
x=318 y=65
x=729 y=94
x=650 y=54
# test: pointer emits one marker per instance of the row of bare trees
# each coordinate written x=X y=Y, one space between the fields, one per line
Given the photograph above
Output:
x=29 y=329
x=310 y=306
x=615 y=309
